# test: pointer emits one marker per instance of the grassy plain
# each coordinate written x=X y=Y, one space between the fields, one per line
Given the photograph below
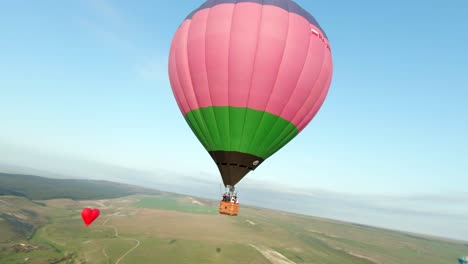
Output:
x=177 y=229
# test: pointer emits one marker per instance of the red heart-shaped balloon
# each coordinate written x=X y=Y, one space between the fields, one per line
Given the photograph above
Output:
x=89 y=215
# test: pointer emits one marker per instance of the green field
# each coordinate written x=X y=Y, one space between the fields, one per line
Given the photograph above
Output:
x=168 y=203
x=178 y=229
x=156 y=227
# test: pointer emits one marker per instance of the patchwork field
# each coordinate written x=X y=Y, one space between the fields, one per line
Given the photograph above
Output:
x=176 y=229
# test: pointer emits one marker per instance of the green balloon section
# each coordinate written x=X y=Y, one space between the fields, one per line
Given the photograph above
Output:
x=239 y=129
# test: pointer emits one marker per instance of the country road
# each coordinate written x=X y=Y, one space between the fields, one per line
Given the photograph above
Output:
x=116 y=232
x=128 y=252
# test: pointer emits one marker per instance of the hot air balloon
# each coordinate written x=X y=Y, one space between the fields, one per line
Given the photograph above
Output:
x=248 y=76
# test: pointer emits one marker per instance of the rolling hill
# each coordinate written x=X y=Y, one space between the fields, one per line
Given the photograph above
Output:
x=40 y=188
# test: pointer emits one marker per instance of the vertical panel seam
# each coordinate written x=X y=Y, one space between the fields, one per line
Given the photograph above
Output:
x=208 y=136
x=313 y=104
x=228 y=83
x=202 y=136
x=269 y=96
x=290 y=96
x=208 y=82
x=259 y=26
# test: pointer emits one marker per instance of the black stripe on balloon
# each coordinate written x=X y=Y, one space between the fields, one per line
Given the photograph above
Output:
x=234 y=165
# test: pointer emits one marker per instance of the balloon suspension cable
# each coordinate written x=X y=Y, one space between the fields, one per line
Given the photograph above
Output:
x=230 y=191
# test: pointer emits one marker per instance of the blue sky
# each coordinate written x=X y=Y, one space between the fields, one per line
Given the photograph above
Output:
x=84 y=92
x=87 y=81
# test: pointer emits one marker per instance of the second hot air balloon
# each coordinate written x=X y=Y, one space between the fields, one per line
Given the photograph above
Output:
x=248 y=76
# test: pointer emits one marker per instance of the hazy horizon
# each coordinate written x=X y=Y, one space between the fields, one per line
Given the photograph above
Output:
x=437 y=213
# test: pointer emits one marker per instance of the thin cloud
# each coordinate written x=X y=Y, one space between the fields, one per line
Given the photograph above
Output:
x=154 y=70
x=103 y=33
x=107 y=23
x=110 y=25
x=106 y=12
